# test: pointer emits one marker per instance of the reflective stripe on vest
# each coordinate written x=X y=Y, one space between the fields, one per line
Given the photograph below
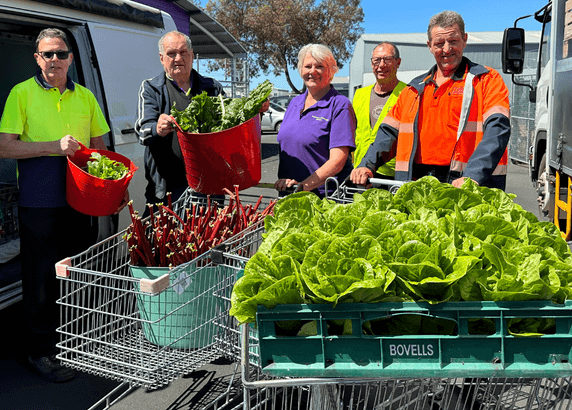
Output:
x=468 y=93
x=474 y=126
x=365 y=135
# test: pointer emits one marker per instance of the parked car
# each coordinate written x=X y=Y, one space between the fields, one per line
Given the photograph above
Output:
x=283 y=100
x=272 y=119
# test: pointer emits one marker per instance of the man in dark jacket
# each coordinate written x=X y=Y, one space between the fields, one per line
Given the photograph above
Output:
x=164 y=164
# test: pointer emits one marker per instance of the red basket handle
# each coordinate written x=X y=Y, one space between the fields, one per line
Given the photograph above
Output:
x=85 y=151
x=82 y=153
x=177 y=126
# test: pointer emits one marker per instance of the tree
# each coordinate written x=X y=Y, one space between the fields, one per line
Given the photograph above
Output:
x=273 y=31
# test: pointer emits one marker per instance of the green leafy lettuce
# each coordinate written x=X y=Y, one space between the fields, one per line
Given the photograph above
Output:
x=105 y=168
x=429 y=242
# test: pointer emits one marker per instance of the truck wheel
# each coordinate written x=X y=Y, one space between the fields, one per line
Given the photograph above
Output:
x=545 y=190
x=545 y=210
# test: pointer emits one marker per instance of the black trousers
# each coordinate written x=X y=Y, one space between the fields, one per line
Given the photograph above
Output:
x=47 y=235
x=442 y=173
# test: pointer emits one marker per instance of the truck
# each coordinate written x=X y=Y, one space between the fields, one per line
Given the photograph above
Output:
x=549 y=155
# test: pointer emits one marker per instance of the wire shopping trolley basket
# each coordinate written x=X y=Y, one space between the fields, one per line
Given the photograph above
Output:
x=241 y=247
x=234 y=253
x=324 y=370
x=144 y=331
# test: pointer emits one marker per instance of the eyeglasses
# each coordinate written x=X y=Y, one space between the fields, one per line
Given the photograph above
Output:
x=47 y=55
x=377 y=61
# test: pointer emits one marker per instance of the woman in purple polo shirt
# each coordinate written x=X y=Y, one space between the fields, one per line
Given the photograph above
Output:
x=318 y=130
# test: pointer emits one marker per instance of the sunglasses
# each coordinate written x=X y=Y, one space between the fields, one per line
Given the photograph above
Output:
x=47 y=55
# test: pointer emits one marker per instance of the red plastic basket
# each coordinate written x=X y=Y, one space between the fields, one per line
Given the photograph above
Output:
x=218 y=160
x=91 y=195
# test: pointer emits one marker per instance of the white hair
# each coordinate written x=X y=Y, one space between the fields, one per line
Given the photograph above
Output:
x=322 y=54
x=177 y=33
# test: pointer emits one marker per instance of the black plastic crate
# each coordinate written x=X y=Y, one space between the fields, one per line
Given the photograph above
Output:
x=8 y=213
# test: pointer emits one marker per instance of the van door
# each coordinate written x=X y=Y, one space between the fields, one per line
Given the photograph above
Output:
x=127 y=55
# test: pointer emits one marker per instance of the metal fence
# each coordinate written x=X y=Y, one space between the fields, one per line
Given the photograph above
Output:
x=521 y=119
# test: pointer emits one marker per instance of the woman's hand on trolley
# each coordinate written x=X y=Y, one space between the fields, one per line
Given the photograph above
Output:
x=289 y=185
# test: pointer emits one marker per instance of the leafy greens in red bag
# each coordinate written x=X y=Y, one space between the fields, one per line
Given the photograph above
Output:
x=105 y=168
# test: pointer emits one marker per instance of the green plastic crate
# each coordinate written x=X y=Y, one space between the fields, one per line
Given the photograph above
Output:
x=464 y=354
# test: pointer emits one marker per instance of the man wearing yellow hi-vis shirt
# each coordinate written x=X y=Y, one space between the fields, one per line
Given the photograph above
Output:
x=372 y=103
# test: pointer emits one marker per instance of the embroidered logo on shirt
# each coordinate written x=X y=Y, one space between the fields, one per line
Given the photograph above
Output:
x=320 y=118
x=457 y=91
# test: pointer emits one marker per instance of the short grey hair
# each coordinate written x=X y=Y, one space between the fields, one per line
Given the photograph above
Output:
x=388 y=43
x=322 y=54
x=52 y=33
x=446 y=19
x=176 y=33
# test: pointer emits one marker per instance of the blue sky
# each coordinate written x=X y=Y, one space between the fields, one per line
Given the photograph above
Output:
x=412 y=16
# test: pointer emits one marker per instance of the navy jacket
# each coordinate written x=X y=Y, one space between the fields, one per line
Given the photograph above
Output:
x=164 y=170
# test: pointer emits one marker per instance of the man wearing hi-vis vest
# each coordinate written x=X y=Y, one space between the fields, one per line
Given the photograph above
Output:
x=452 y=122
x=372 y=103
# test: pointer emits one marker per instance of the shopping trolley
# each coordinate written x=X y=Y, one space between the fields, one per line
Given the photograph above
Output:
x=420 y=389
x=141 y=332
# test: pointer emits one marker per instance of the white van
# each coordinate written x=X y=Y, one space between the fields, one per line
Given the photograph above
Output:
x=115 y=48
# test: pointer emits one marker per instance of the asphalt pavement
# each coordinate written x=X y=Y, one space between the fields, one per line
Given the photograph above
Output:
x=21 y=389
x=518 y=183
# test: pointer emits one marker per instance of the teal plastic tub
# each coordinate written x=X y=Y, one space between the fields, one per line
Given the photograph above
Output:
x=179 y=307
x=458 y=339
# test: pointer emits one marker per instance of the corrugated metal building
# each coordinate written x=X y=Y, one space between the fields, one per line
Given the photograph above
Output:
x=482 y=47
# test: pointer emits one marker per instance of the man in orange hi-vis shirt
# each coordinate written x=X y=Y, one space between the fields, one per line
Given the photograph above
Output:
x=452 y=122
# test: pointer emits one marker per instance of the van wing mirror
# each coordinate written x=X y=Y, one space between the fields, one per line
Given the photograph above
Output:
x=513 y=51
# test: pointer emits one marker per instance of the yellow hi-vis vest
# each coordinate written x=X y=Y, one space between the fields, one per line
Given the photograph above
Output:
x=365 y=135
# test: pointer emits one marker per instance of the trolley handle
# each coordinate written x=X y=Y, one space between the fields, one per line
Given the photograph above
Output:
x=333 y=180
x=294 y=188
x=381 y=181
x=376 y=182
x=290 y=190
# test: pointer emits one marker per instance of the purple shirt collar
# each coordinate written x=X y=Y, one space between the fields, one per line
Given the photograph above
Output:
x=321 y=103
